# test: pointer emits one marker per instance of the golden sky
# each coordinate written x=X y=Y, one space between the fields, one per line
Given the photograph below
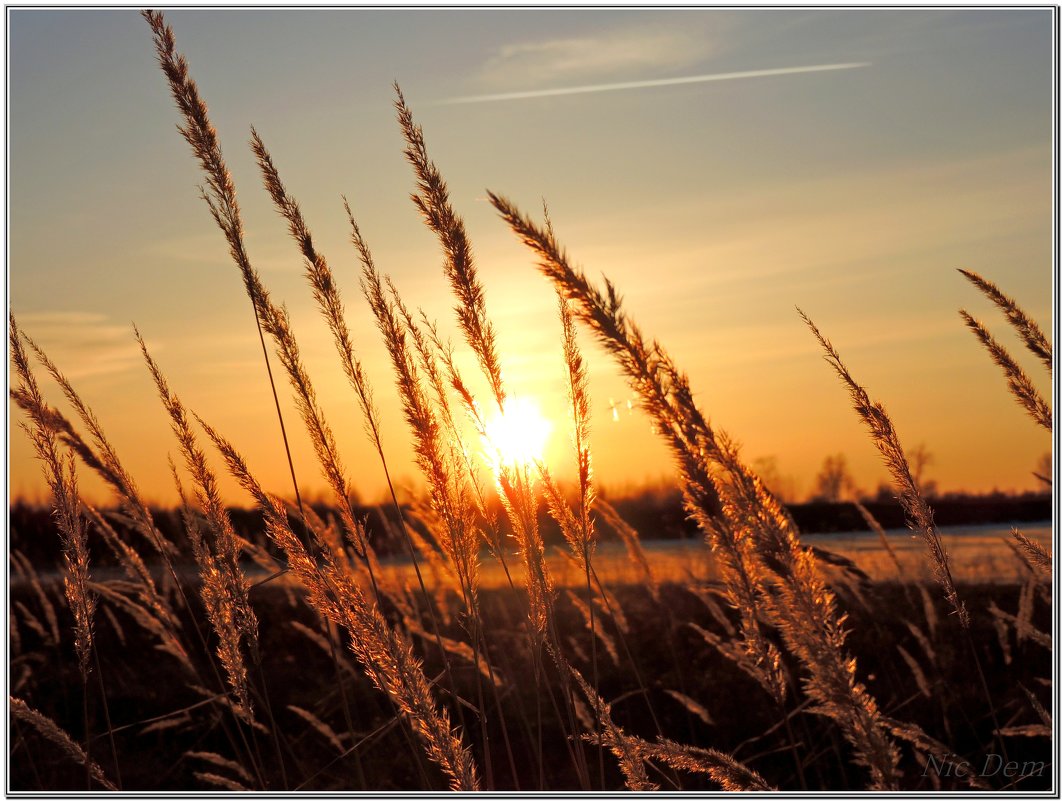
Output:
x=699 y=165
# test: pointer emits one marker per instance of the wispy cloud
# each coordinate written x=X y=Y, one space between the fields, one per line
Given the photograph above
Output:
x=83 y=344
x=602 y=54
x=612 y=87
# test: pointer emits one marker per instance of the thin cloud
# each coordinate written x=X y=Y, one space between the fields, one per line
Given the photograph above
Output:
x=83 y=344
x=599 y=56
x=613 y=87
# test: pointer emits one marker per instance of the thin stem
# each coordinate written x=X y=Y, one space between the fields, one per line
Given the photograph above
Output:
x=107 y=717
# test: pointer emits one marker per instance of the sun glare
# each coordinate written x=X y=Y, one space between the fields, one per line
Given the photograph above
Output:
x=518 y=436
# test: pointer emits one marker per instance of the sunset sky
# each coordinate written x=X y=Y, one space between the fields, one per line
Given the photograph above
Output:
x=717 y=201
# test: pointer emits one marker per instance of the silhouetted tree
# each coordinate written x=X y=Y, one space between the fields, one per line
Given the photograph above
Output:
x=1043 y=469
x=834 y=481
x=919 y=458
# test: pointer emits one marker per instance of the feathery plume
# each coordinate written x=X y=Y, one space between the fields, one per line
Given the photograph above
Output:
x=224 y=587
x=221 y=762
x=319 y=726
x=887 y=441
x=1026 y=327
x=448 y=490
x=1020 y=386
x=325 y=290
x=1034 y=551
x=875 y=526
x=579 y=397
x=755 y=539
x=123 y=483
x=48 y=729
x=727 y=771
x=432 y=199
x=62 y=480
x=385 y=655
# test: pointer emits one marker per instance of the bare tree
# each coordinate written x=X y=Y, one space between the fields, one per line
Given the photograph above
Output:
x=919 y=457
x=834 y=481
x=1043 y=469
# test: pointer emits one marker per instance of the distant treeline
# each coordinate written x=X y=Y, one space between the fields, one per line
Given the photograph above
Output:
x=659 y=515
x=656 y=515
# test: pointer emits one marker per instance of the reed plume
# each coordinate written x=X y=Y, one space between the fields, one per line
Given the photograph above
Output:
x=607 y=734
x=429 y=344
x=143 y=584
x=887 y=441
x=754 y=535
x=221 y=762
x=220 y=191
x=1020 y=386
x=197 y=130
x=64 y=430
x=224 y=586
x=113 y=469
x=325 y=291
x=62 y=480
x=580 y=522
x=579 y=398
x=432 y=199
x=318 y=725
x=731 y=774
x=632 y=542
x=217 y=780
x=1026 y=327
x=448 y=484
x=50 y=730
x=1034 y=551
x=387 y=658
x=648 y=368
x=875 y=526
x=448 y=491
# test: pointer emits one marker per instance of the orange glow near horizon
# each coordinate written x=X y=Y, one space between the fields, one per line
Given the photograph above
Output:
x=714 y=207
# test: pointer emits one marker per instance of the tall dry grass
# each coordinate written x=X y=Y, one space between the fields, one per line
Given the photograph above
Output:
x=887 y=441
x=551 y=675
x=754 y=538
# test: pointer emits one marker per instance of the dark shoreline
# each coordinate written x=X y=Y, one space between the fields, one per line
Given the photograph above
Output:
x=656 y=515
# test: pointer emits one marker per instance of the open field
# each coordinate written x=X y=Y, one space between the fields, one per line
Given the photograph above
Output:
x=161 y=723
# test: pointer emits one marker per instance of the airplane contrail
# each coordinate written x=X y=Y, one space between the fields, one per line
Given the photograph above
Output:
x=612 y=87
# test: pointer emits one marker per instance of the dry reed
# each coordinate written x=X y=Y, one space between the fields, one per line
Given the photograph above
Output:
x=221 y=762
x=432 y=199
x=387 y=658
x=754 y=534
x=217 y=780
x=1020 y=386
x=113 y=470
x=48 y=729
x=727 y=771
x=62 y=480
x=1034 y=551
x=887 y=441
x=318 y=725
x=220 y=191
x=224 y=586
x=448 y=490
x=1026 y=327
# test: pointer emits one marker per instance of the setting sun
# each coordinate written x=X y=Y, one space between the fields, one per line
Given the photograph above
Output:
x=517 y=436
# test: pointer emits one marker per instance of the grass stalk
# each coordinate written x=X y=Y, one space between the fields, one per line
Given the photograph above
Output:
x=1027 y=329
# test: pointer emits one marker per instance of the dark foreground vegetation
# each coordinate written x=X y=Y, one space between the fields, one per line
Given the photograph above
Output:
x=341 y=733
